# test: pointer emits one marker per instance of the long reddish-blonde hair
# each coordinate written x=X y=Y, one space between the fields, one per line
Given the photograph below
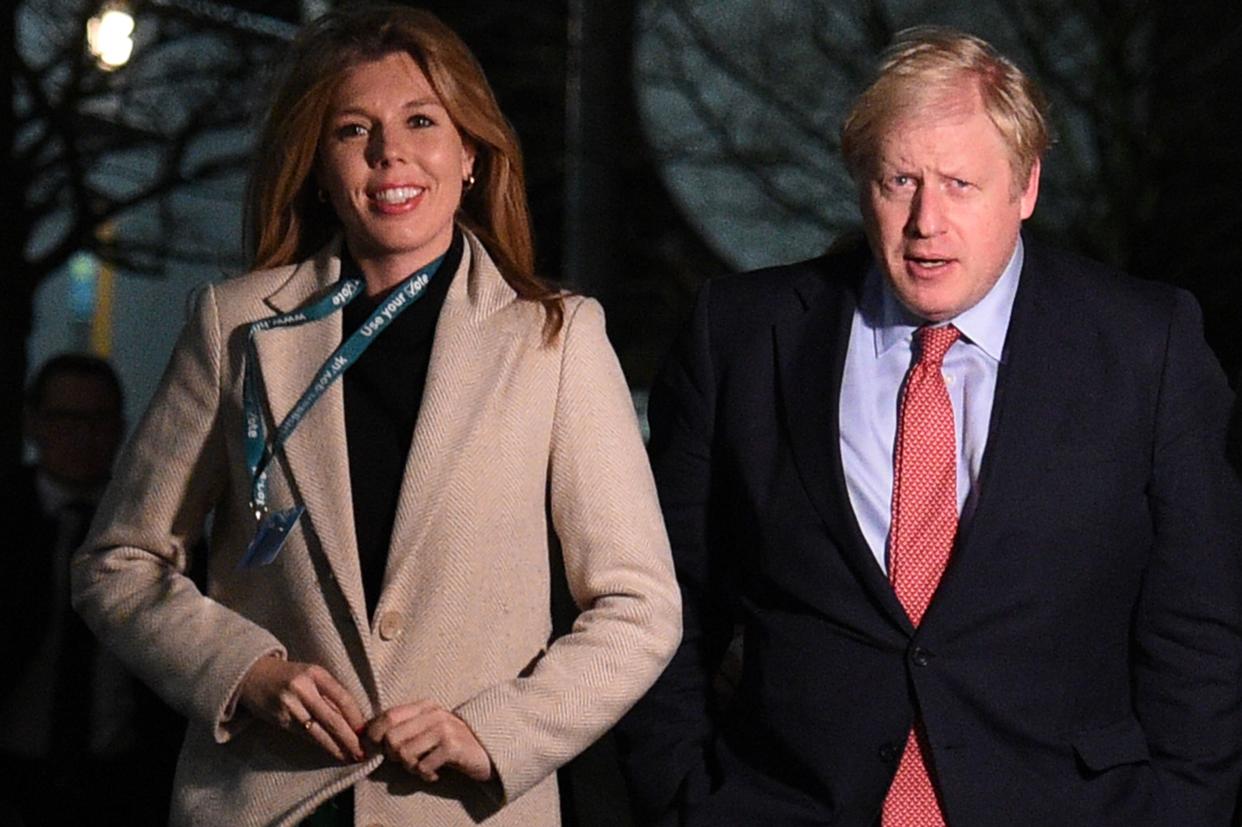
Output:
x=286 y=222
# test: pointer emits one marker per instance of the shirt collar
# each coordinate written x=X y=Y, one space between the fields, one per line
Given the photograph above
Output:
x=984 y=325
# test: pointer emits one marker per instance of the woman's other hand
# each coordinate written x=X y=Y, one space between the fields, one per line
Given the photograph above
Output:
x=424 y=736
x=305 y=699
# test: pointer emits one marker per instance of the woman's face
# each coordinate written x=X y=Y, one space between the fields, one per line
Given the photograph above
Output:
x=392 y=164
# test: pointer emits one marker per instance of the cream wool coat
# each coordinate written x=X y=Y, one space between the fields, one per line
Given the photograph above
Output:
x=511 y=435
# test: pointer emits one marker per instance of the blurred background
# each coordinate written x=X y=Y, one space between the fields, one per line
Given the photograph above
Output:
x=667 y=141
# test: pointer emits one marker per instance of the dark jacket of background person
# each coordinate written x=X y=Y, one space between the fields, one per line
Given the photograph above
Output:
x=82 y=741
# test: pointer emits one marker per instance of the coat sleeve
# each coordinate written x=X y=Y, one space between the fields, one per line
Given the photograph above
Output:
x=1188 y=623
x=129 y=580
x=605 y=513
x=665 y=740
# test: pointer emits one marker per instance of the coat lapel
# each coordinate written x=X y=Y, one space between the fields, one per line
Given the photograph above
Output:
x=810 y=355
x=469 y=351
x=316 y=455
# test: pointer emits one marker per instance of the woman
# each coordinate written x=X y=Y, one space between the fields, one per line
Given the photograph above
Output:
x=377 y=618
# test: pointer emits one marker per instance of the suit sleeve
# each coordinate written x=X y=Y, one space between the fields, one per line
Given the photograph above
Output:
x=665 y=740
x=1188 y=626
x=129 y=580
x=615 y=549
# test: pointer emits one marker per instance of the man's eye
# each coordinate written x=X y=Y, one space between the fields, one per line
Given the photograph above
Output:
x=902 y=180
x=958 y=183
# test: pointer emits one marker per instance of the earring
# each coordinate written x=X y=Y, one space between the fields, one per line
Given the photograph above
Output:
x=322 y=195
x=468 y=183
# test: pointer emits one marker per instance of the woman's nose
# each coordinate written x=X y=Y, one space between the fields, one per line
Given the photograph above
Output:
x=383 y=149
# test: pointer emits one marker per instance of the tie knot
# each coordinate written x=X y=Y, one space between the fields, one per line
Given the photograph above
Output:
x=934 y=343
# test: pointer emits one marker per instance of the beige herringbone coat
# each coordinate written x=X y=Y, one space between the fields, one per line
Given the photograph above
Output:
x=511 y=433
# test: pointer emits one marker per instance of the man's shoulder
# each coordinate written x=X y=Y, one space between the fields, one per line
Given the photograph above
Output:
x=1089 y=285
x=774 y=291
x=19 y=486
x=1101 y=312
x=21 y=511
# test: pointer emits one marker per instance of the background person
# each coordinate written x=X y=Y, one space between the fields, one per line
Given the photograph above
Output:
x=965 y=496
x=392 y=640
x=80 y=740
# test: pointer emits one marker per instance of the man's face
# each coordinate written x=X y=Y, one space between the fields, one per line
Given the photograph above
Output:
x=77 y=428
x=941 y=208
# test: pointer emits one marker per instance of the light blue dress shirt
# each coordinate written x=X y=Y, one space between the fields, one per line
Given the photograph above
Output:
x=879 y=357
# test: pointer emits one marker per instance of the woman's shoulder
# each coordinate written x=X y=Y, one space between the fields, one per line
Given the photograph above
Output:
x=490 y=291
x=261 y=283
x=251 y=284
x=269 y=290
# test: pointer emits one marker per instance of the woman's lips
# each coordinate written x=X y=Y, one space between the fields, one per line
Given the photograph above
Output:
x=398 y=199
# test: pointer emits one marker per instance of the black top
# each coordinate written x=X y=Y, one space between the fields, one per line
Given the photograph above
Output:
x=383 y=393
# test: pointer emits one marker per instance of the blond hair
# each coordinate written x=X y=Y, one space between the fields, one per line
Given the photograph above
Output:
x=925 y=65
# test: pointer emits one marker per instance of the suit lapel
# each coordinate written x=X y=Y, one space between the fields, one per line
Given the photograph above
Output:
x=810 y=355
x=316 y=455
x=1032 y=401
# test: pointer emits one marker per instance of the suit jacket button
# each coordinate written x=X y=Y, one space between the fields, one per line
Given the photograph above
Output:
x=889 y=753
x=391 y=625
x=920 y=656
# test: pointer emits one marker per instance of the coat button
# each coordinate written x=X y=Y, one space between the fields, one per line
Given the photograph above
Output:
x=920 y=656
x=391 y=625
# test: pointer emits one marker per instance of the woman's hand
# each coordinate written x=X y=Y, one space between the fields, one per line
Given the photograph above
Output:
x=424 y=736
x=304 y=699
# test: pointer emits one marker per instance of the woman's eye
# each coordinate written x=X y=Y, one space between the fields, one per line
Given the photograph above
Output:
x=350 y=130
x=421 y=121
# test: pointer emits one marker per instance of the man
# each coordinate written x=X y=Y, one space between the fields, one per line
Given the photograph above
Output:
x=963 y=497
x=80 y=741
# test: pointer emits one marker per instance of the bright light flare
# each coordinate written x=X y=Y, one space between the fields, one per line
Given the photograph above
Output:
x=109 y=36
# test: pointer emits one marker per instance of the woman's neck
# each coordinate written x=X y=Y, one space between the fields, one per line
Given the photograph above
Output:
x=382 y=273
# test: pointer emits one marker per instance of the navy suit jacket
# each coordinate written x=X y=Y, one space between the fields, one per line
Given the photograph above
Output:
x=1081 y=661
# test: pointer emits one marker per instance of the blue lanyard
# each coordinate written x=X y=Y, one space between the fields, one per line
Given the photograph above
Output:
x=259 y=451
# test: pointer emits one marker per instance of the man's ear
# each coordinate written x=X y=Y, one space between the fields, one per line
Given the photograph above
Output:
x=1031 y=194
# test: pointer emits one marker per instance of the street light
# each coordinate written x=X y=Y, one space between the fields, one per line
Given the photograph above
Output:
x=109 y=36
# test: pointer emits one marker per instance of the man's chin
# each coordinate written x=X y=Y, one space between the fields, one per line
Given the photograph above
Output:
x=929 y=305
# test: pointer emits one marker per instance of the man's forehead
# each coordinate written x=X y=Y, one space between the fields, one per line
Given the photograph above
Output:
x=916 y=132
x=949 y=106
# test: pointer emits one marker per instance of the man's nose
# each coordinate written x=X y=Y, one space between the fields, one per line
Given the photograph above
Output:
x=927 y=214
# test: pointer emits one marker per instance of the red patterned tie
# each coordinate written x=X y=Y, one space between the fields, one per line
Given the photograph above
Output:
x=923 y=527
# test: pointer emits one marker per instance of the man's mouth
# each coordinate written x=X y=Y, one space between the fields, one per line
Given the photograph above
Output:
x=928 y=263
